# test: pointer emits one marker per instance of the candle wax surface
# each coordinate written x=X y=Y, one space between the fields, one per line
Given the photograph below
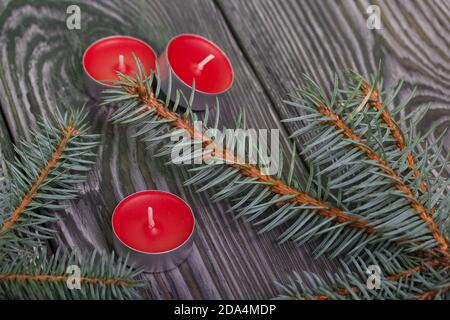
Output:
x=174 y=221
x=102 y=58
x=184 y=55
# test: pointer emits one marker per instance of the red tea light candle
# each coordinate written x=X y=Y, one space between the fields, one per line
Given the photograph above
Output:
x=190 y=57
x=105 y=57
x=154 y=229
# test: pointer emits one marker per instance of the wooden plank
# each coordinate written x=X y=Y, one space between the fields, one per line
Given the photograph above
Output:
x=285 y=39
x=6 y=146
x=41 y=61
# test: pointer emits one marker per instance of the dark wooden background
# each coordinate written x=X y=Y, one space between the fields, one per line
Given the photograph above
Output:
x=270 y=43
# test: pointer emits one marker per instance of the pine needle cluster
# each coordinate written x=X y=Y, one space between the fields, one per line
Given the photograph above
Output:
x=45 y=173
x=371 y=198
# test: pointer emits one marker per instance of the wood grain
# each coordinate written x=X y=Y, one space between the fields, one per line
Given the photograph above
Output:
x=41 y=60
x=271 y=43
x=285 y=39
x=6 y=149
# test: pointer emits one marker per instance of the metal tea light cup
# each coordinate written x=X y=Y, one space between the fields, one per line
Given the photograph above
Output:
x=155 y=262
x=94 y=87
x=170 y=81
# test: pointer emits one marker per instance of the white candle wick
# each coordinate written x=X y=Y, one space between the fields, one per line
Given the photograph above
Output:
x=151 y=220
x=122 y=67
x=203 y=63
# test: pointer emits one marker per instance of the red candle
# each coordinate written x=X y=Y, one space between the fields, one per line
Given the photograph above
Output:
x=190 y=58
x=105 y=57
x=154 y=228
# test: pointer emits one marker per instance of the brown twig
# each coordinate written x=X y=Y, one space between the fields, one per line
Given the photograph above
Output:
x=61 y=278
x=43 y=174
x=424 y=214
x=246 y=169
x=431 y=293
x=375 y=102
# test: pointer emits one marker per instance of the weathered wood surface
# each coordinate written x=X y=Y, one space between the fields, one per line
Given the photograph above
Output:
x=41 y=62
x=285 y=39
x=6 y=150
x=270 y=43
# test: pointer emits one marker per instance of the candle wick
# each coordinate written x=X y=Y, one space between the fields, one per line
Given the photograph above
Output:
x=122 y=67
x=203 y=63
x=151 y=220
